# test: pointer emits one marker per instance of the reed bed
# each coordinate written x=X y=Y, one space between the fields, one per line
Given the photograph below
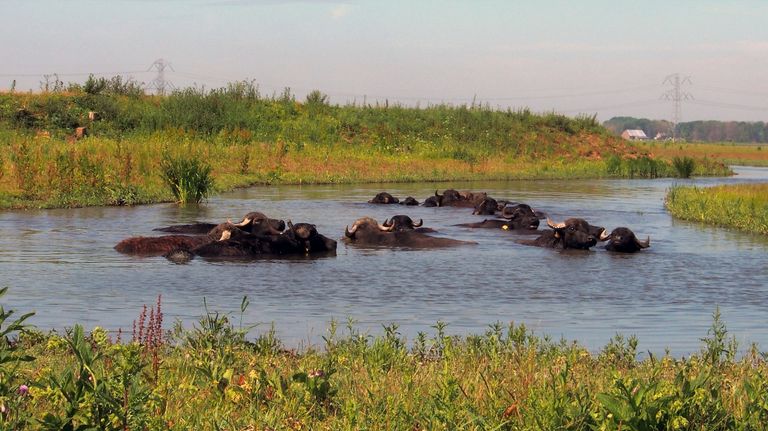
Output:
x=218 y=375
x=740 y=206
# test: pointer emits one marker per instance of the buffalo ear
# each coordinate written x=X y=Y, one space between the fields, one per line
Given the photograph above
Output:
x=557 y=234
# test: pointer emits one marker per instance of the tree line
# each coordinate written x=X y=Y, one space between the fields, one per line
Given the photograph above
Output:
x=707 y=131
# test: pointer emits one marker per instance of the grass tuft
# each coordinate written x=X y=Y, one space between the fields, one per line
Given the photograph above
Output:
x=684 y=166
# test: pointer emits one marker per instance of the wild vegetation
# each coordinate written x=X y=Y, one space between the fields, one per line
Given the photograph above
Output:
x=214 y=376
x=740 y=206
x=235 y=136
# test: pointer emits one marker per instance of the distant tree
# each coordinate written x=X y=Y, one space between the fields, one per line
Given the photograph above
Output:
x=317 y=98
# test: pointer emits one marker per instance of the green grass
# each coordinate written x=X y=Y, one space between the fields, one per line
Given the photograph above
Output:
x=742 y=206
x=216 y=375
x=728 y=153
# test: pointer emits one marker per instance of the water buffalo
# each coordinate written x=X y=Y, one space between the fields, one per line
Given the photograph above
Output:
x=368 y=232
x=518 y=217
x=384 y=198
x=298 y=239
x=253 y=222
x=160 y=245
x=574 y=233
x=624 y=240
x=409 y=201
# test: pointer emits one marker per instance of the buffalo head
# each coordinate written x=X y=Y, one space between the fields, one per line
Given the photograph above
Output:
x=307 y=236
x=259 y=224
x=486 y=206
x=520 y=216
x=367 y=231
x=576 y=233
x=384 y=198
x=409 y=201
x=366 y=226
x=432 y=201
x=402 y=222
x=624 y=240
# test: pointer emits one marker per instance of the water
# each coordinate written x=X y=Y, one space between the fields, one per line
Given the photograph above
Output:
x=60 y=263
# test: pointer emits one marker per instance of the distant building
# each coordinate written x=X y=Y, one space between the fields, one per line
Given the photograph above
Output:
x=634 y=135
x=661 y=137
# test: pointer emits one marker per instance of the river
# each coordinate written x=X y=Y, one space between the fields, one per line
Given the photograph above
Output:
x=61 y=264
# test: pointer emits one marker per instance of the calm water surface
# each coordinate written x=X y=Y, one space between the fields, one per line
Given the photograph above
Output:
x=61 y=264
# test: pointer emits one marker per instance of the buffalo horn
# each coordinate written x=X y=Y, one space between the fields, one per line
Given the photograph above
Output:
x=604 y=235
x=225 y=235
x=643 y=244
x=421 y=222
x=350 y=233
x=554 y=225
x=386 y=228
x=506 y=212
x=245 y=221
x=387 y=223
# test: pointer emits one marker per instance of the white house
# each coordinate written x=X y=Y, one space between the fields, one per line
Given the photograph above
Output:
x=634 y=135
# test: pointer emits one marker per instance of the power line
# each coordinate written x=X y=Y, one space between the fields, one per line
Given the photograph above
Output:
x=35 y=75
x=618 y=106
x=677 y=96
x=728 y=105
x=432 y=98
x=734 y=91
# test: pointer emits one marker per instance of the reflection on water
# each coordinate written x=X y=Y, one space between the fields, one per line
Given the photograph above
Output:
x=61 y=264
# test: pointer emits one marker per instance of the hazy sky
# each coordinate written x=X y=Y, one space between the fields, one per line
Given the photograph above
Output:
x=586 y=56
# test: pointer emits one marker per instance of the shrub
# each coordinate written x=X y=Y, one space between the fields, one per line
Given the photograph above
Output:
x=189 y=178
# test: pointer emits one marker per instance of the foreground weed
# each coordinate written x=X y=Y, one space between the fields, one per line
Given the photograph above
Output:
x=212 y=377
x=13 y=390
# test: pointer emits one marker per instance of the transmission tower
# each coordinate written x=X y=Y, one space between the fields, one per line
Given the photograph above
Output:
x=676 y=95
x=159 y=84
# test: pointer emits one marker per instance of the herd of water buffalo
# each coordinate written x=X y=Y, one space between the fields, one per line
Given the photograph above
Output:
x=258 y=235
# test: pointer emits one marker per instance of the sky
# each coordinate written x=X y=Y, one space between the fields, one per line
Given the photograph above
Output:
x=592 y=57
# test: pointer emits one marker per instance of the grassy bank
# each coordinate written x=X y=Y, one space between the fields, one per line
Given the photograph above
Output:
x=246 y=138
x=728 y=153
x=741 y=206
x=213 y=377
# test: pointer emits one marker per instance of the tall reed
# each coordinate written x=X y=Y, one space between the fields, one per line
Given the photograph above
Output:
x=188 y=177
